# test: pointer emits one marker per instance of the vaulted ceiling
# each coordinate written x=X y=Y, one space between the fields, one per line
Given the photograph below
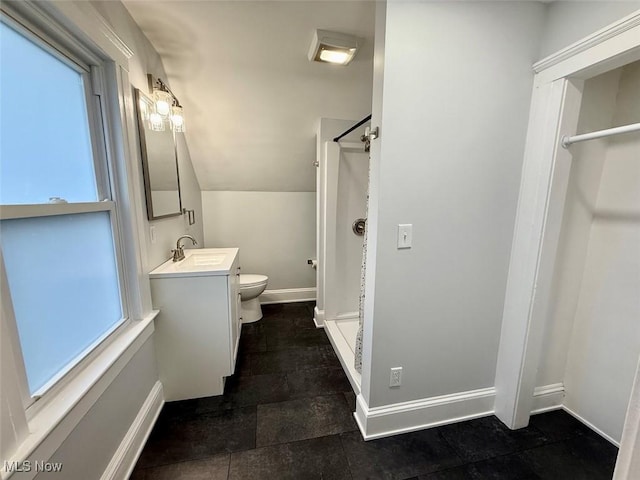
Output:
x=252 y=99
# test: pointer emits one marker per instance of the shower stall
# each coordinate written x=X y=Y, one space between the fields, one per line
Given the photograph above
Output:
x=342 y=182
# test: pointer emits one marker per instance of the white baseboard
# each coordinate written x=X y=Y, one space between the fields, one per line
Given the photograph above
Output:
x=407 y=417
x=551 y=397
x=591 y=426
x=318 y=317
x=547 y=398
x=288 y=295
x=126 y=456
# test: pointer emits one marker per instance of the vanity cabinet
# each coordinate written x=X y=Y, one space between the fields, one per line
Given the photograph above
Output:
x=198 y=327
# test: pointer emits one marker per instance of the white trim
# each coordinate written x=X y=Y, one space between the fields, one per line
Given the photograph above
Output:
x=591 y=426
x=598 y=37
x=112 y=36
x=132 y=215
x=83 y=18
x=53 y=423
x=602 y=57
x=318 y=317
x=378 y=422
x=515 y=371
x=12 y=339
x=124 y=460
x=288 y=295
x=547 y=398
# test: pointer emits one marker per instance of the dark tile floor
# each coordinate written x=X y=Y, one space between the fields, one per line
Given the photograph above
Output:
x=287 y=414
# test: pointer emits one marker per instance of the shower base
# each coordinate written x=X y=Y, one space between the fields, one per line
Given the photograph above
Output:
x=342 y=332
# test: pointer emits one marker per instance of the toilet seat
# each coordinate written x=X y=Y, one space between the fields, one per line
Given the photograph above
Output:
x=252 y=280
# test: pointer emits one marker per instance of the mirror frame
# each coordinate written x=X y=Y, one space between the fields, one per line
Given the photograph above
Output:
x=146 y=163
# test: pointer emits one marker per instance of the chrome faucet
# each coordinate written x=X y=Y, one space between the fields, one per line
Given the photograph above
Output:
x=178 y=253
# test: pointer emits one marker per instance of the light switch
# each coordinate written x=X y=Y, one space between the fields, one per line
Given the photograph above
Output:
x=405 y=231
x=152 y=233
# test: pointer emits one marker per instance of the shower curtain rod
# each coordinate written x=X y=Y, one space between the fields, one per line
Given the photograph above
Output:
x=347 y=132
x=566 y=141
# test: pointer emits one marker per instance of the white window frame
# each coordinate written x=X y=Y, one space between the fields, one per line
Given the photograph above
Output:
x=81 y=59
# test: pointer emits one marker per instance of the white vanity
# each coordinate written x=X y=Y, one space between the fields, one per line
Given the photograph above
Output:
x=198 y=328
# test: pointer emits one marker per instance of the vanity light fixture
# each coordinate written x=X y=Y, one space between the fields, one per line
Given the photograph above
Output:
x=167 y=108
x=333 y=47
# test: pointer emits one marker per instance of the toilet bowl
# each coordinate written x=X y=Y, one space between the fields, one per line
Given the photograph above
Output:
x=251 y=286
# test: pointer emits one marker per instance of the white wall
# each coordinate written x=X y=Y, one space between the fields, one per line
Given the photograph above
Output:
x=455 y=102
x=569 y=21
x=275 y=232
x=605 y=342
x=146 y=60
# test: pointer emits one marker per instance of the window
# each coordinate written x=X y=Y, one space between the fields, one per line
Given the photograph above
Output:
x=58 y=225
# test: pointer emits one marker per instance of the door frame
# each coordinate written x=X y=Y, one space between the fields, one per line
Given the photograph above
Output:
x=555 y=106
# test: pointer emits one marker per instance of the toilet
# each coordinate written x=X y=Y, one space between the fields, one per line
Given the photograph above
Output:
x=251 y=286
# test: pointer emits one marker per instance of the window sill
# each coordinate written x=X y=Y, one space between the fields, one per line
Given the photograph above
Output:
x=53 y=422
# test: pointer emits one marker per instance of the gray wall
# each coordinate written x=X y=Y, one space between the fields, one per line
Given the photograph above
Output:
x=146 y=60
x=452 y=99
x=455 y=103
x=275 y=232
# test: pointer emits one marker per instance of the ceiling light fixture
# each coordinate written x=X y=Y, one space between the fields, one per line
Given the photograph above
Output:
x=167 y=108
x=333 y=47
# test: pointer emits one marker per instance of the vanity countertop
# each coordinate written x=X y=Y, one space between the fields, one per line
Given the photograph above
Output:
x=198 y=262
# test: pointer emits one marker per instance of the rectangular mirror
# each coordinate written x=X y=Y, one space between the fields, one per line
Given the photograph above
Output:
x=159 y=163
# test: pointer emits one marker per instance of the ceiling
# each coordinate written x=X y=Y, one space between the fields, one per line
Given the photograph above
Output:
x=252 y=99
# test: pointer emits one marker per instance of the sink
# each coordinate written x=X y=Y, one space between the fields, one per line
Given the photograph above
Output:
x=198 y=262
x=201 y=259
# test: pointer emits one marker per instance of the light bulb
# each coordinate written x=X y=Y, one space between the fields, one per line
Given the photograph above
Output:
x=334 y=57
x=163 y=102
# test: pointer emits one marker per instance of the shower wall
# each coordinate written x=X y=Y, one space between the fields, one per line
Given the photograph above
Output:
x=351 y=205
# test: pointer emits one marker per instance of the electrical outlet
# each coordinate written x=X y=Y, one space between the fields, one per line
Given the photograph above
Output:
x=395 y=379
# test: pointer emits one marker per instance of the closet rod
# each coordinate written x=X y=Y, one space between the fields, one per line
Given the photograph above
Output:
x=566 y=141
